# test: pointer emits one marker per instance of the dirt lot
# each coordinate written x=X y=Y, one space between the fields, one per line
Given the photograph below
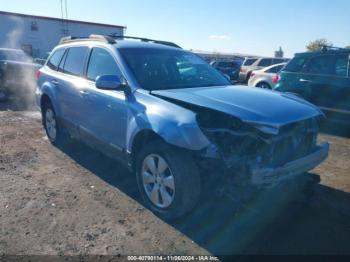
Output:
x=73 y=200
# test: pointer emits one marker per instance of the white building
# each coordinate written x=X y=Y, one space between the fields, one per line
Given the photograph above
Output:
x=37 y=35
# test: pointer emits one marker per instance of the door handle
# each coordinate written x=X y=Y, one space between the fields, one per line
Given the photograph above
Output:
x=304 y=80
x=54 y=82
x=84 y=93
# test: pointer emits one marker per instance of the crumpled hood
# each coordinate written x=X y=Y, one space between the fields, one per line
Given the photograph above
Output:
x=252 y=105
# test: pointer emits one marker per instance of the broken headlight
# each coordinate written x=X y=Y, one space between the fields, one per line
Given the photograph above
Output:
x=229 y=134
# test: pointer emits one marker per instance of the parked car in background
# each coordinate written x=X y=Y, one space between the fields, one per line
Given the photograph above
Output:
x=251 y=64
x=265 y=78
x=323 y=78
x=15 y=68
x=173 y=120
x=39 y=61
x=230 y=68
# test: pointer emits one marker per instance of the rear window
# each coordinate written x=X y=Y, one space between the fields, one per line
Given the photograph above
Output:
x=265 y=62
x=250 y=61
x=55 y=59
x=275 y=69
x=74 y=63
x=295 y=65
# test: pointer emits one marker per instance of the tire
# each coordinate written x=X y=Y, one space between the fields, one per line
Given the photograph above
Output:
x=263 y=85
x=248 y=77
x=51 y=124
x=184 y=191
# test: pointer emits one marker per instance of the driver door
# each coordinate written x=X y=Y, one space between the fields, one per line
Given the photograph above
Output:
x=106 y=110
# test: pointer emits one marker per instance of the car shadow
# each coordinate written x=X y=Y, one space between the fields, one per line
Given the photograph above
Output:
x=280 y=221
x=336 y=128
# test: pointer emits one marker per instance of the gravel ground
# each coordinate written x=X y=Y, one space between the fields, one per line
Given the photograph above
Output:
x=73 y=200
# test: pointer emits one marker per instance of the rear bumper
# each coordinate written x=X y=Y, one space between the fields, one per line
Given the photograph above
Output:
x=271 y=176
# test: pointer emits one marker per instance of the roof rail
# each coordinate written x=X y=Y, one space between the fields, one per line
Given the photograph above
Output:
x=103 y=38
x=107 y=38
x=67 y=39
x=143 y=39
x=111 y=39
x=325 y=48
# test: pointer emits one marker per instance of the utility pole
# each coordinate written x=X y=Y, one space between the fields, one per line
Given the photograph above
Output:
x=64 y=17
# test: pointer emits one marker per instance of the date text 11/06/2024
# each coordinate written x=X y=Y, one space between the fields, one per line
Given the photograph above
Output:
x=172 y=258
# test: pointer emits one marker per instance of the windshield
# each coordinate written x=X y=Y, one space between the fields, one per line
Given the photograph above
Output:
x=13 y=55
x=157 y=69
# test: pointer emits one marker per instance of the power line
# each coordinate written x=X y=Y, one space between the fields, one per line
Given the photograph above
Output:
x=64 y=17
x=66 y=6
x=61 y=3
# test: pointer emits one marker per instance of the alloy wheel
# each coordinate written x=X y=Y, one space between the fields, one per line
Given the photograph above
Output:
x=50 y=123
x=158 y=181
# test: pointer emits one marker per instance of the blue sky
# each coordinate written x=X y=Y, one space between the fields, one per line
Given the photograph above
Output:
x=254 y=27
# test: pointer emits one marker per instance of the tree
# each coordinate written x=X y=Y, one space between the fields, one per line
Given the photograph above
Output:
x=318 y=44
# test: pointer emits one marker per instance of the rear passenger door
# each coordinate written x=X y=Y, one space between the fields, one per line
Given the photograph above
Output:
x=70 y=84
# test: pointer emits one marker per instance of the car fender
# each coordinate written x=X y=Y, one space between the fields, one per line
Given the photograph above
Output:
x=48 y=89
x=174 y=124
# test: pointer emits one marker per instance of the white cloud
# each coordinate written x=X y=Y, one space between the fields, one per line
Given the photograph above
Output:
x=220 y=37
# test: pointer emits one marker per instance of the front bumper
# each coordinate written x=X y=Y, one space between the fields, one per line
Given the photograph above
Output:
x=272 y=176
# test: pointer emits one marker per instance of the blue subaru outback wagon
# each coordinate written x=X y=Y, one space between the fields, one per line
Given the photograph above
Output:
x=174 y=120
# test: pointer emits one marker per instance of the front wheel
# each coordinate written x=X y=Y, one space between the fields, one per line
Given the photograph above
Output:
x=168 y=180
x=263 y=85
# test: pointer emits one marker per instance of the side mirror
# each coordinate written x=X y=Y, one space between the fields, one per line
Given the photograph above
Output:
x=109 y=82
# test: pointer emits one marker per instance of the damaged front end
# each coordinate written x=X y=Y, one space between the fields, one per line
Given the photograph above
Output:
x=258 y=154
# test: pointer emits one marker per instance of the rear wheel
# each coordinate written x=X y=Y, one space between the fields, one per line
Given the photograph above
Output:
x=167 y=179
x=263 y=85
x=248 y=77
x=51 y=124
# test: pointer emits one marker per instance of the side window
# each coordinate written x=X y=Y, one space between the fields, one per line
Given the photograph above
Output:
x=278 y=61
x=265 y=62
x=63 y=60
x=249 y=61
x=55 y=59
x=75 y=59
x=323 y=65
x=296 y=64
x=341 y=65
x=101 y=63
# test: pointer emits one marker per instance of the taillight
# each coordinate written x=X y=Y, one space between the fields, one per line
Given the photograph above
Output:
x=275 y=79
x=37 y=74
x=252 y=74
x=241 y=70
